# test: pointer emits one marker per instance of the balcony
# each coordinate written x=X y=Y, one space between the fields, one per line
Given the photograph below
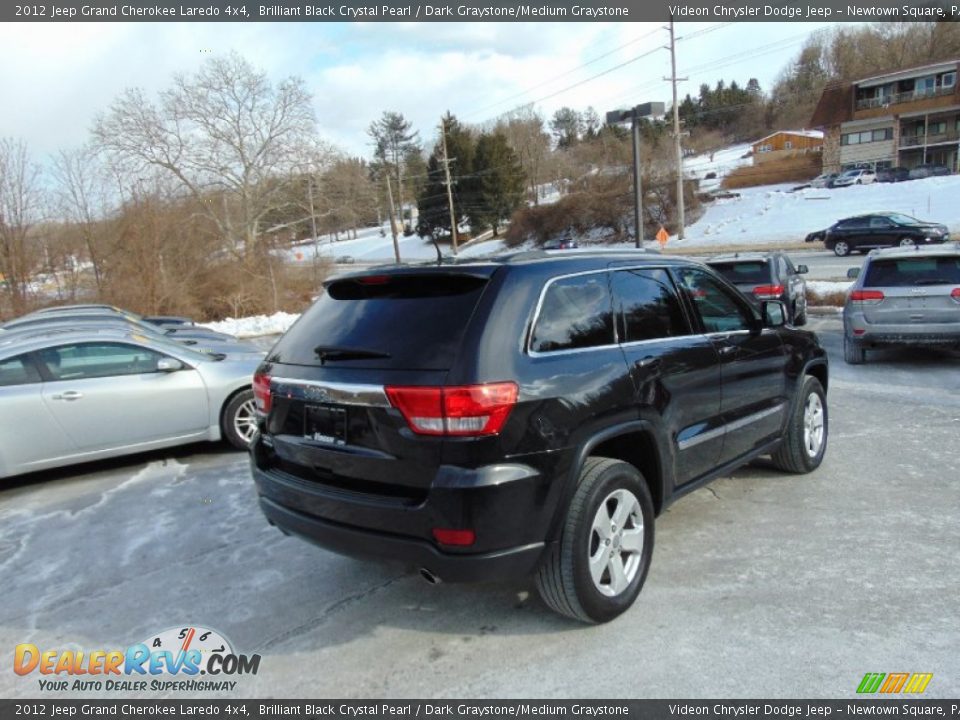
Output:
x=903 y=97
x=907 y=141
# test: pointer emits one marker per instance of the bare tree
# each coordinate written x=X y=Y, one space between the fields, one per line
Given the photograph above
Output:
x=20 y=198
x=228 y=135
x=83 y=198
x=526 y=136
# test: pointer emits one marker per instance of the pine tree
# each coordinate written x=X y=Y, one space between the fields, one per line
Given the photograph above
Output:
x=500 y=182
x=432 y=203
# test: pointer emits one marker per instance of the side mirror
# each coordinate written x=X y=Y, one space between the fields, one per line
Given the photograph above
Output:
x=169 y=364
x=853 y=273
x=802 y=269
x=773 y=313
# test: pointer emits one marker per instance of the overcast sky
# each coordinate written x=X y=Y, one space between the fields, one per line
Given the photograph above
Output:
x=56 y=77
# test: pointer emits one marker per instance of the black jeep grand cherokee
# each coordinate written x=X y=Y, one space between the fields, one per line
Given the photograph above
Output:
x=529 y=414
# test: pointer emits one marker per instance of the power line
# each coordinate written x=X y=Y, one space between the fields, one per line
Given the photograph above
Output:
x=562 y=75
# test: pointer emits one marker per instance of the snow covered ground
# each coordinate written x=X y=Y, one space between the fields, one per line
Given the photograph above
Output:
x=722 y=162
x=773 y=214
x=371 y=246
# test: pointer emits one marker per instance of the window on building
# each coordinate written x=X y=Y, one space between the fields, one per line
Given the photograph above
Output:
x=948 y=79
x=788 y=145
x=884 y=134
x=937 y=128
x=925 y=85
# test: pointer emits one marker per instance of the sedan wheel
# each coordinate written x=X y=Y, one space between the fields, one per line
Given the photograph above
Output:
x=906 y=242
x=841 y=248
x=240 y=420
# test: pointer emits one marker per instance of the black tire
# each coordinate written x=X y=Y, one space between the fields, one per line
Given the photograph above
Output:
x=794 y=455
x=906 y=242
x=841 y=248
x=231 y=422
x=564 y=578
x=853 y=352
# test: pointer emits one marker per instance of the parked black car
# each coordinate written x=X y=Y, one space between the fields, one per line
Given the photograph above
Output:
x=767 y=276
x=528 y=414
x=897 y=174
x=865 y=232
x=930 y=170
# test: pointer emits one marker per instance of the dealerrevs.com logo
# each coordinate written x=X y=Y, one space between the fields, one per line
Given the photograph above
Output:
x=172 y=660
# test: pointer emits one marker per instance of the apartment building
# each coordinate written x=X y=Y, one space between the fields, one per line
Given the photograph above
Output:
x=903 y=118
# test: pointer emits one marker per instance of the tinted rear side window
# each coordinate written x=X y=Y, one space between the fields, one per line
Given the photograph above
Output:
x=648 y=306
x=913 y=271
x=744 y=272
x=576 y=313
x=410 y=322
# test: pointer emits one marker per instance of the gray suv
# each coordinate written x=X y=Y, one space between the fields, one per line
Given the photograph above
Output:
x=767 y=276
x=903 y=296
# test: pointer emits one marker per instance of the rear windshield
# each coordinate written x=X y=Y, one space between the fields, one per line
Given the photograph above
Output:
x=410 y=322
x=744 y=272
x=913 y=271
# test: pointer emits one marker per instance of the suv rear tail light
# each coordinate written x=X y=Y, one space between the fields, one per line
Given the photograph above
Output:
x=768 y=292
x=464 y=410
x=261 y=393
x=955 y=294
x=866 y=297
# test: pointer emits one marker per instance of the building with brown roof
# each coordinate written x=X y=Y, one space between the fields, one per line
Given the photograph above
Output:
x=786 y=143
x=902 y=118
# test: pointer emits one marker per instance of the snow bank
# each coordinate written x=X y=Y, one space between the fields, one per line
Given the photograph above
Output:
x=256 y=325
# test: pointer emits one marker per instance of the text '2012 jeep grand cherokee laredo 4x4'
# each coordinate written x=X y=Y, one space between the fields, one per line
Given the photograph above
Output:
x=528 y=414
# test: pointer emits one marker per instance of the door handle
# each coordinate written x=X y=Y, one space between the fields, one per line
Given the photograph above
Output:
x=69 y=396
x=727 y=349
x=648 y=363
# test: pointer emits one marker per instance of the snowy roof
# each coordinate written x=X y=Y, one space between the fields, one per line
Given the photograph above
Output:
x=801 y=133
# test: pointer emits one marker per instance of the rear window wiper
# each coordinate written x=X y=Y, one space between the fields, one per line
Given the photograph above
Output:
x=328 y=353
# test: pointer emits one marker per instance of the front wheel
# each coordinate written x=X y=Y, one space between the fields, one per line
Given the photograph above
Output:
x=805 y=442
x=240 y=420
x=595 y=570
x=906 y=242
x=841 y=248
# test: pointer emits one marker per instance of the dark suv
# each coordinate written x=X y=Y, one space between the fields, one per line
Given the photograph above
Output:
x=767 y=276
x=529 y=414
x=866 y=232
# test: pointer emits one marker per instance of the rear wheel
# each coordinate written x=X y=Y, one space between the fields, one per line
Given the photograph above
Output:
x=595 y=570
x=853 y=352
x=240 y=420
x=806 y=439
x=841 y=248
x=906 y=242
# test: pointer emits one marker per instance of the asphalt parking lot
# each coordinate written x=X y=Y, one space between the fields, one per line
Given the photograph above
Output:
x=762 y=584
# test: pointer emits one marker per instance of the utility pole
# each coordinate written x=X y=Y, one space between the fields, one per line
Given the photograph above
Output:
x=638 y=193
x=446 y=171
x=393 y=221
x=676 y=131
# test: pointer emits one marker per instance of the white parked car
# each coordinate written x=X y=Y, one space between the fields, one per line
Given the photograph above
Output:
x=855 y=177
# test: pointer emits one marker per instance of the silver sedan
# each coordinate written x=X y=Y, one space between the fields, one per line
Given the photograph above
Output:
x=67 y=398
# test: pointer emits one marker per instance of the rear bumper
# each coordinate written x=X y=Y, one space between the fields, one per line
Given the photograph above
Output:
x=512 y=563
x=510 y=507
x=904 y=334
